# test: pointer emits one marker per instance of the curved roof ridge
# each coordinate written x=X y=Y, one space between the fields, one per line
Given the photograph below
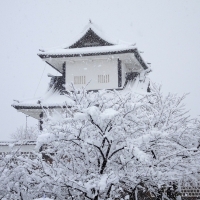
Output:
x=94 y=27
x=96 y=30
x=101 y=34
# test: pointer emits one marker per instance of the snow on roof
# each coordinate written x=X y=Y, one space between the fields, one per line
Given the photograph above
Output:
x=91 y=42
x=95 y=29
x=51 y=99
x=17 y=143
x=54 y=99
x=138 y=86
x=89 y=50
x=100 y=33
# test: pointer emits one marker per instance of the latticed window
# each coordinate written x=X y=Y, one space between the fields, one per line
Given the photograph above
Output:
x=79 y=80
x=103 y=78
x=193 y=191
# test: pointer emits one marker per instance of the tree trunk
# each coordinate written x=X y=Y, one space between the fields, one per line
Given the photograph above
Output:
x=133 y=195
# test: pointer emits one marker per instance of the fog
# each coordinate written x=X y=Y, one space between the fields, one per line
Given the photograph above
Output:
x=168 y=32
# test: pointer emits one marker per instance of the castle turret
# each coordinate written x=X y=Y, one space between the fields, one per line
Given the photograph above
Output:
x=92 y=61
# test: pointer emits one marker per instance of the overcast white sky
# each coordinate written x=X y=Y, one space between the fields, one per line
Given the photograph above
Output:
x=168 y=31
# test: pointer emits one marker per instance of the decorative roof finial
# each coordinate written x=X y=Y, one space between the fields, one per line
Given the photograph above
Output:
x=90 y=21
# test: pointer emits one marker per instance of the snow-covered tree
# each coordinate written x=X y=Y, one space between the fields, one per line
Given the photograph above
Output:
x=15 y=179
x=109 y=145
x=28 y=133
x=118 y=145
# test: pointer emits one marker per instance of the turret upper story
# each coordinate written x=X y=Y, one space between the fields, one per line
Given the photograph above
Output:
x=96 y=62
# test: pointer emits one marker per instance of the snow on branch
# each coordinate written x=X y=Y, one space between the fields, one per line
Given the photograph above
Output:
x=110 y=145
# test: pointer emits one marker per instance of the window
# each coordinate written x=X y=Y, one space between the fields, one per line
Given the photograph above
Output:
x=103 y=78
x=79 y=80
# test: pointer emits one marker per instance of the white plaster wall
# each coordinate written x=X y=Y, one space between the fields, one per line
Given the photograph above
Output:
x=91 y=69
x=124 y=70
x=23 y=148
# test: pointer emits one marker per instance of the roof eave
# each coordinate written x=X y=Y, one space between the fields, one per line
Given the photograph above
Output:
x=135 y=51
x=19 y=107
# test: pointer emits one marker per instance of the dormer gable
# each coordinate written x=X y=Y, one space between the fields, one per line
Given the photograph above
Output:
x=90 y=39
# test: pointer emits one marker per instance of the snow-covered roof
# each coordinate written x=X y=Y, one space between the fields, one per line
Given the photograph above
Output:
x=115 y=50
x=50 y=99
x=88 y=50
x=54 y=100
x=33 y=107
x=17 y=143
x=57 y=57
x=96 y=30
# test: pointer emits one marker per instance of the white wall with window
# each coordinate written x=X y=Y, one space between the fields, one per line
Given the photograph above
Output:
x=101 y=73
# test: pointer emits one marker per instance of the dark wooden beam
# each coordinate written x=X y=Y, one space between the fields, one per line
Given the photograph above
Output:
x=41 y=121
x=64 y=73
x=52 y=66
x=119 y=68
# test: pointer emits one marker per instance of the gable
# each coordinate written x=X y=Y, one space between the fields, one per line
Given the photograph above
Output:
x=90 y=39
